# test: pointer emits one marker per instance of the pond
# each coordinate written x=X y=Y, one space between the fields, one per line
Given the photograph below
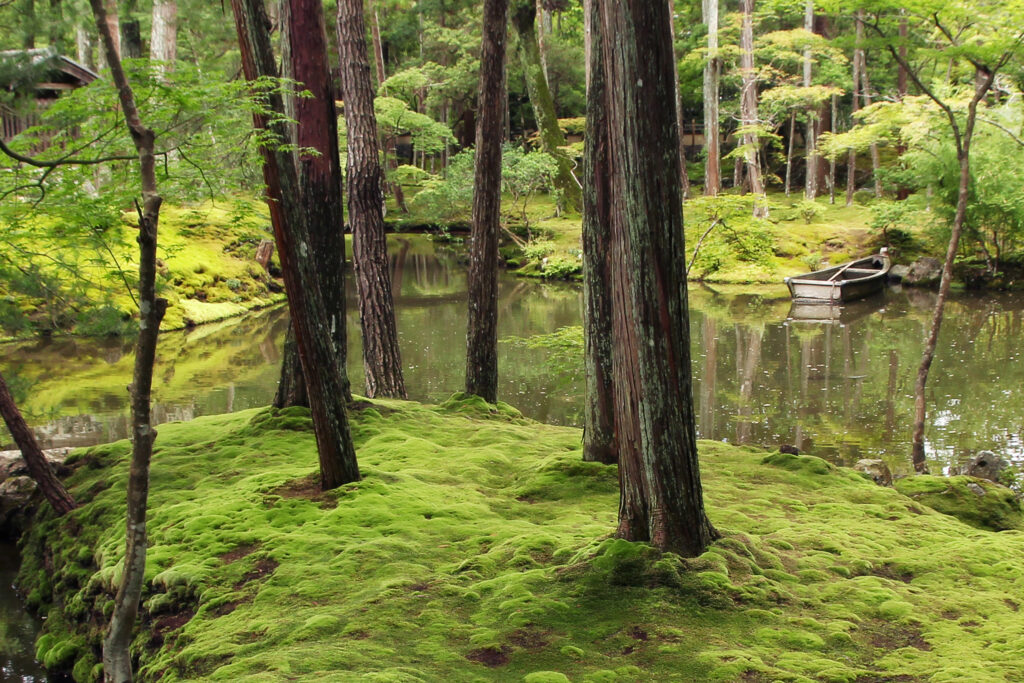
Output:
x=838 y=384
x=17 y=628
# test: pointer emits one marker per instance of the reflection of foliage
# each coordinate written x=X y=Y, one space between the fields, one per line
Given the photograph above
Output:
x=564 y=349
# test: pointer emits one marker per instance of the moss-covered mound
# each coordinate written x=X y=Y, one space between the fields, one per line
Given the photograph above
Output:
x=977 y=502
x=476 y=548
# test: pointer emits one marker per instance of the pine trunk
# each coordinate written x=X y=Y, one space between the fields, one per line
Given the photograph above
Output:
x=116 y=656
x=524 y=15
x=599 y=439
x=382 y=361
x=295 y=210
x=482 y=327
x=661 y=496
x=38 y=466
x=712 y=76
x=163 y=40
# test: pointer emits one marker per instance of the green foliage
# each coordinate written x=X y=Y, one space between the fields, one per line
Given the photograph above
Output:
x=524 y=174
x=394 y=118
x=449 y=198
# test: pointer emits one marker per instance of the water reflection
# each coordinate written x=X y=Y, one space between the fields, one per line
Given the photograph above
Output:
x=17 y=628
x=834 y=382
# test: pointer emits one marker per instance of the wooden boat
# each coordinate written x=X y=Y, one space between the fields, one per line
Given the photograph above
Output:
x=847 y=282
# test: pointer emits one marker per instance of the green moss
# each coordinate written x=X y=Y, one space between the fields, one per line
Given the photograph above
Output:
x=477 y=547
x=977 y=502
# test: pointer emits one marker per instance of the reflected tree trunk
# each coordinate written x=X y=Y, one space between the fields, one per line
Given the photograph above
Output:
x=291 y=387
x=706 y=425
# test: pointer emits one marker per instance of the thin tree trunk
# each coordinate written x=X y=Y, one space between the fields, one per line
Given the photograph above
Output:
x=865 y=89
x=56 y=30
x=834 y=115
x=789 y=151
x=661 y=497
x=524 y=14
x=748 y=110
x=587 y=39
x=83 y=47
x=114 y=26
x=811 y=179
x=482 y=327
x=378 y=47
x=163 y=41
x=599 y=439
x=28 y=23
x=542 y=40
x=294 y=208
x=390 y=149
x=116 y=656
x=858 y=59
x=38 y=466
x=382 y=360
x=712 y=75
x=684 y=179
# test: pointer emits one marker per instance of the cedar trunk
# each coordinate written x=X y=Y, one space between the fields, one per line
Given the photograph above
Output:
x=684 y=179
x=661 y=496
x=599 y=440
x=163 y=40
x=38 y=466
x=748 y=109
x=293 y=211
x=811 y=179
x=524 y=15
x=382 y=360
x=482 y=327
x=116 y=657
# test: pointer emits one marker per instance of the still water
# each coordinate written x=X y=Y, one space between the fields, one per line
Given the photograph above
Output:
x=837 y=384
x=17 y=628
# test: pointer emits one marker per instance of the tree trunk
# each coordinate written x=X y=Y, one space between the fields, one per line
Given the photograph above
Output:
x=811 y=179
x=28 y=23
x=712 y=75
x=684 y=179
x=858 y=59
x=789 y=151
x=865 y=90
x=114 y=26
x=599 y=440
x=524 y=14
x=56 y=30
x=131 y=38
x=291 y=387
x=163 y=40
x=661 y=497
x=38 y=466
x=482 y=328
x=382 y=360
x=83 y=47
x=542 y=40
x=390 y=150
x=295 y=211
x=116 y=656
x=748 y=110
x=833 y=126
x=587 y=39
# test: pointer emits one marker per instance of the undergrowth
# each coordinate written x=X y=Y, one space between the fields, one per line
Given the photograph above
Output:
x=477 y=548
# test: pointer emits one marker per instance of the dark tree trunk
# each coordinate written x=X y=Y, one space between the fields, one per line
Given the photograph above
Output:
x=116 y=656
x=28 y=23
x=38 y=466
x=57 y=28
x=599 y=440
x=482 y=327
x=131 y=38
x=382 y=360
x=662 y=499
x=295 y=210
x=524 y=15
x=291 y=387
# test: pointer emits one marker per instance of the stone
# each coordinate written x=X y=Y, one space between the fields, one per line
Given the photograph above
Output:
x=786 y=448
x=898 y=272
x=876 y=469
x=924 y=271
x=976 y=489
x=13 y=465
x=15 y=493
x=985 y=465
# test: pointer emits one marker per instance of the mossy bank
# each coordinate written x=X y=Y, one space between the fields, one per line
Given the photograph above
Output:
x=477 y=548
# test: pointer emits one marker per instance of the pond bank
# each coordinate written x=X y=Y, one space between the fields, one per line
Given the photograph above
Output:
x=476 y=548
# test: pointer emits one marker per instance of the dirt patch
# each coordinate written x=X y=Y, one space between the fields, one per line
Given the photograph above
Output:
x=264 y=568
x=239 y=552
x=359 y=406
x=307 y=488
x=168 y=624
x=871 y=678
x=887 y=571
x=528 y=639
x=891 y=637
x=491 y=657
x=228 y=607
x=637 y=633
x=1011 y=604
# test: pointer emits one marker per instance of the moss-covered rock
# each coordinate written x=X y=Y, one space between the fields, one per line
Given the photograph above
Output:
x=977 y=502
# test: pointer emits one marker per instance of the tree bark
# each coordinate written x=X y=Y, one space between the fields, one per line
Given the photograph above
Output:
x=83 y=47
x=116 y=656
x=851 y=163
x=56 y=31
x=38 y=466
x=482 y=327
x=382 y=360
x=524 y=14
x=131 y=38
x=599 y=439
x=748 y=110
x=28 y=23
x=712 y=76
x=865 y=90
x=661 y=498
x=163 y=40
x=390 y=150
x=789 y=151
x=291 y=387
x=684 y=179
x=295 y=211
x=811 y=179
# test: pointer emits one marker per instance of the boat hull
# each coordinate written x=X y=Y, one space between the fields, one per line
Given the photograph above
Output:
x=848 y=282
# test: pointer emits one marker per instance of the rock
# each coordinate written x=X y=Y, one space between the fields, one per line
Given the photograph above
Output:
x=786 y=448
x=924 y=271
x=15 y=493
x=985 y=465
x=876 y=469
x=13 y=465
x=977 y=502
x=898 y=272
x=976 y=489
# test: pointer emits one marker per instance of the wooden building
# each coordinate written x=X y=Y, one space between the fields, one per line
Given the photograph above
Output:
x=41 y=75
